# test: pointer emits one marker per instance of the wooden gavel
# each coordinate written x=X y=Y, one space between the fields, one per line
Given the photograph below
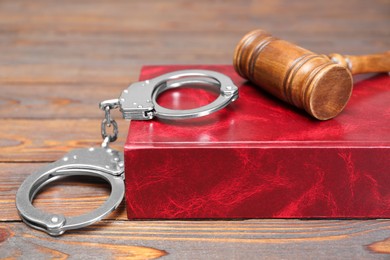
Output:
x=320 y=84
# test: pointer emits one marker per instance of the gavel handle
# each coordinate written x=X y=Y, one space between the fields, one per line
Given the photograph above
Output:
x=365 y=63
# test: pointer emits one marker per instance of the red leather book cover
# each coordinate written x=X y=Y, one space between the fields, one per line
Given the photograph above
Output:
x=260 y=157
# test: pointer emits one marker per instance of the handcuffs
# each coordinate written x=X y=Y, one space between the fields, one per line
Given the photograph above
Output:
x=137 y=102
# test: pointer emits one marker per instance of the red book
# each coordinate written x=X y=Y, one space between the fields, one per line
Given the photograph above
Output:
x=260 y=157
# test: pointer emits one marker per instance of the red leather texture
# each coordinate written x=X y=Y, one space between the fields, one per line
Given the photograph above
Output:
x=260 y=158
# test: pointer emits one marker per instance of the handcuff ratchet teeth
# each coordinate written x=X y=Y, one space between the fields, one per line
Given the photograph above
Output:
x=137 y=102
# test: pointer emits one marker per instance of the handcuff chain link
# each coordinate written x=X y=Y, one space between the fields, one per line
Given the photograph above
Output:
x=108 y=121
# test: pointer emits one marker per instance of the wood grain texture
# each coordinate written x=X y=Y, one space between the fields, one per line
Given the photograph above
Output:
x=51 y=101
x=59 y=60
x=250 y=239
x=381 y=247
x=105 y=43
x=48 y=140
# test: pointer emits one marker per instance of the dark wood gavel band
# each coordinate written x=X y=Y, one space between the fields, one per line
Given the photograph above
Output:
x=298 y=76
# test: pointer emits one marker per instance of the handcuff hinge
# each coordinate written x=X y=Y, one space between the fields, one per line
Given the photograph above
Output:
x=135 y=102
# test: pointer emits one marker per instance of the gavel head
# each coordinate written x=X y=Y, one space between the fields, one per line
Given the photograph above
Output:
x=298 y=76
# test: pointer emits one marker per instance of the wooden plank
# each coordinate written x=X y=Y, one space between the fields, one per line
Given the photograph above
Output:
x=250 y=239
x=59 y=101
x=73 y=43
x=70 y=197
x=49 y=140
x=76 y=16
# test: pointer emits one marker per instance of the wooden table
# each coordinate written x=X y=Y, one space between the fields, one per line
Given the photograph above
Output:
x=58 y=59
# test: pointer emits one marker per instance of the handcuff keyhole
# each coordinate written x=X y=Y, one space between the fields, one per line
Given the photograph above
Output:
x=72 y=195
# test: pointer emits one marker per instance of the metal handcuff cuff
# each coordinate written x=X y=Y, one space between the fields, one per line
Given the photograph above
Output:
x=137 y=102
